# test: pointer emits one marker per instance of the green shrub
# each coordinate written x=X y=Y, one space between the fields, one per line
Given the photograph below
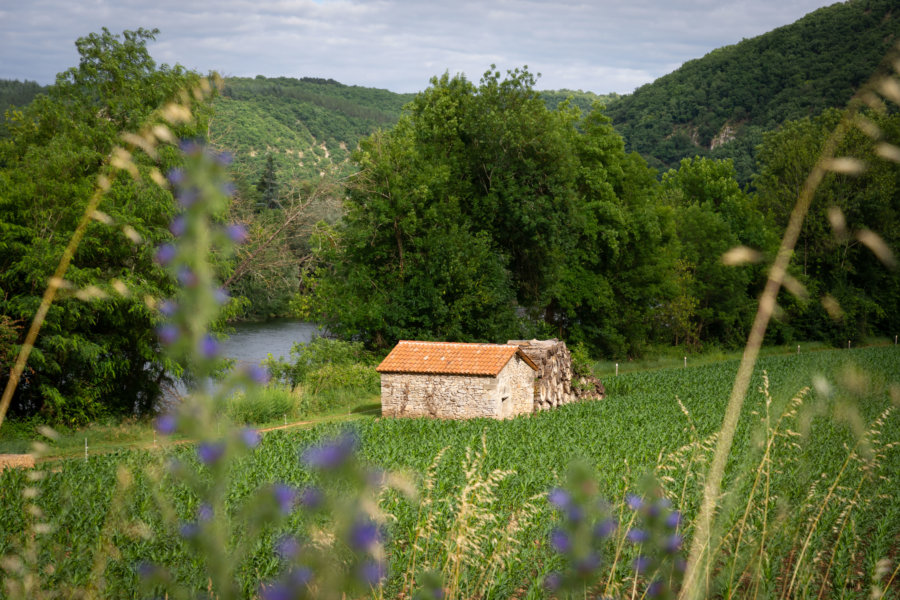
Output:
x=318 y=362
x=262 y=405
x=582 y=365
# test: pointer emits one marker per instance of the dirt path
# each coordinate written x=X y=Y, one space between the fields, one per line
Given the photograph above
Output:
x=17 y=460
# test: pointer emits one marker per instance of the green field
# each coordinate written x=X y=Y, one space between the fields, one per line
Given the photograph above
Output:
x=639 y=429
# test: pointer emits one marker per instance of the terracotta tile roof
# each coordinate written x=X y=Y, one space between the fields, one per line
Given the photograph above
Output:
x=446 y=358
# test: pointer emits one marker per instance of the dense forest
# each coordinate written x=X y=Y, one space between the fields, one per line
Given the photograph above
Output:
x=719 y=105
x=16 y=94
x=470 y=211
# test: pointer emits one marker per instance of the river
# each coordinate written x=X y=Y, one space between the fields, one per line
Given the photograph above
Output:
x=253 y=342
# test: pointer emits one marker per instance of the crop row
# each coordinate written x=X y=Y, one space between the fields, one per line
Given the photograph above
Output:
x=649 y=420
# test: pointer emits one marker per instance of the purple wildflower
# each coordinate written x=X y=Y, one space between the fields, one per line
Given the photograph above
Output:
x=205 y=512
x=187 y=197
x=237 y=233
x=166 y=424
x=146 y=569
x=559 y=498
x=167 y=308
x=605 y=528
x=209 y=347
x=191 y=147
x=634 y=501
x=167 y=333
x=176 y=176
x=221 y=296
x=371 y=572
x=258 y=374
x=277 y=591
x=210 y=452
x=655 y=588
x=641 y=564
x=224 y=158
x=165 y=254
x=299 y=576
x=673 y=543
x=186 y=277
x=637 y=536
x=588 y=564
x=178 y=226
x=286 y=496
x=560 y=541
x=287 y=547
x=363 y=534
x=673 y=520
x=189 y=530
x=311 y=497
x=228 y=188
x=574 y=513
x=552 y=581
x=250 y=437
x=331 y=454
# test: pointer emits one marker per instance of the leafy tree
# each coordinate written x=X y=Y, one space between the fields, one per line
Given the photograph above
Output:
x=267 y=188
x=738 y=91
x=482 y=205
x=100 y=356
x=713 y=215
x=833 y=261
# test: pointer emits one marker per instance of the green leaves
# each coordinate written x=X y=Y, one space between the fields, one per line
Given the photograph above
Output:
x=481 y=206
x=98 y=357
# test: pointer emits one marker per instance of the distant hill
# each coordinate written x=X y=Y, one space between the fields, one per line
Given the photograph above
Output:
x=312 y=125
x=15 y=93
x=720 y=104
x=583 y=100
x=308 y=125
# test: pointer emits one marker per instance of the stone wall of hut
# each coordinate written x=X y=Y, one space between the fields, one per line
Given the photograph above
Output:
x=508 y=394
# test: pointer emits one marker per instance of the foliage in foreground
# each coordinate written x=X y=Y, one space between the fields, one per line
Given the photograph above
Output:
x=97 y=357
x=837 y=476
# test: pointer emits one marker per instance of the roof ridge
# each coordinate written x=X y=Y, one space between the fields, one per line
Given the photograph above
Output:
x=473 y=358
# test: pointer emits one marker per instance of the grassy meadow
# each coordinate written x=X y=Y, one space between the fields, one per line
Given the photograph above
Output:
x=809 y=509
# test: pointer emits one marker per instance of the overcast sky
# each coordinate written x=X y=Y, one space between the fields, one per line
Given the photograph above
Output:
x=601 y=45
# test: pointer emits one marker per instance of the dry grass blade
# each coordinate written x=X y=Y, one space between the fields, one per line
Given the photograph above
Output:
x=699 y=555
x=890 y=89
x=845 y=165
x=874 y=243
x=740 y=255
x=838 y=222
x=832 y=307
x=868 y=127
x=888 y=152
x=794 y=286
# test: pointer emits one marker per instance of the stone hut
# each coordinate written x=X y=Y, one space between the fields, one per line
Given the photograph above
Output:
x=456 y=381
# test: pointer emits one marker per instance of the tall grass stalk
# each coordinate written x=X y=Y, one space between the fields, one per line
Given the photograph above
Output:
x=700 y=558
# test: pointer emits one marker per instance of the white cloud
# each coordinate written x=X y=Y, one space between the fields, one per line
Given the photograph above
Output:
x=601 y=46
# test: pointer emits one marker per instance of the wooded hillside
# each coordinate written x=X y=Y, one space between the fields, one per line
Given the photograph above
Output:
x=720 y=104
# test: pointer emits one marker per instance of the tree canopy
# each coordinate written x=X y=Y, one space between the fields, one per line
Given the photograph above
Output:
x=719 y=105
x=100 y=356
x=485 y=215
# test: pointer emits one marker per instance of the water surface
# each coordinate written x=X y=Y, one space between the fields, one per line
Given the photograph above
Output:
x=253 y=342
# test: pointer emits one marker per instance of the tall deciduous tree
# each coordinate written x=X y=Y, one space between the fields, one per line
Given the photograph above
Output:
x=484 y=215
x=713 y=215
x=99 y=356
x=831 y=258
